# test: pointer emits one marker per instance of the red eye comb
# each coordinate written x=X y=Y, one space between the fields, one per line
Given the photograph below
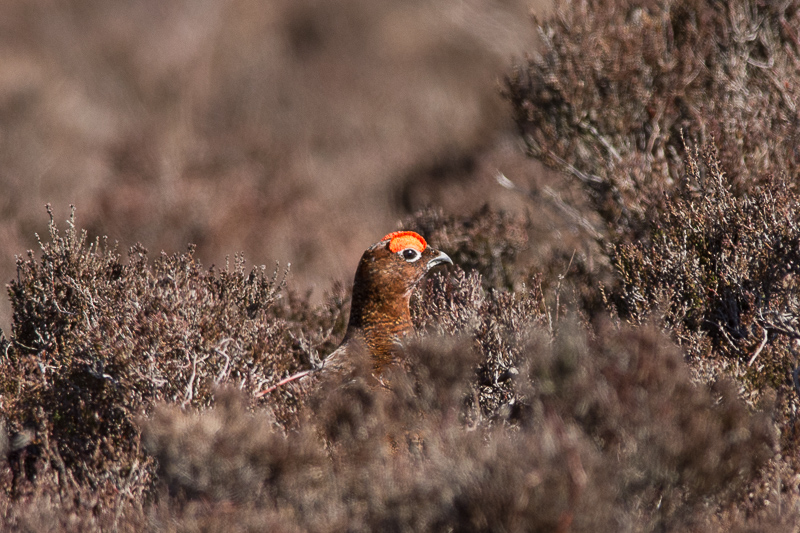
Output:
x=400 y=240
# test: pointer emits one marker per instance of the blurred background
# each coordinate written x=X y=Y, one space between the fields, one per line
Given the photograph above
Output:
x=297 y=131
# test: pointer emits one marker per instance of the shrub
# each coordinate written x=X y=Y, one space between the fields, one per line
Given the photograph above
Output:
x=497 y=322
x=615 y=84
x=705 y=243
x=723 y=266
x=95 y=341
x=496 y=419
x=614 y=436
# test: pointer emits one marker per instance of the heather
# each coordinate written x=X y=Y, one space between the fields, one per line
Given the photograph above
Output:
x=614 y=348
x=492 y=418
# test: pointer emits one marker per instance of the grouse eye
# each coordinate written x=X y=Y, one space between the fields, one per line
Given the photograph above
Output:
x=410 y=255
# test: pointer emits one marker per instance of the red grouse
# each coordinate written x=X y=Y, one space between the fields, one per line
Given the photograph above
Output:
x=379 y=313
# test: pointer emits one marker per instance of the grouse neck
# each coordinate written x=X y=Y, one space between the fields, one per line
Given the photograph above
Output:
x=380 y=320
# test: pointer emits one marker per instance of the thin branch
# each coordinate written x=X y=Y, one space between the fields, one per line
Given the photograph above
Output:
x=284 y=381
x=608 y=146
x=760 y=347
x=221 y=349
x=572 y=213
x=190 y=385
x=724 y=334
x=556 y=199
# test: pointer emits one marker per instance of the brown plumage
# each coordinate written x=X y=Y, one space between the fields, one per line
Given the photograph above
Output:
x=379 y=313
x=387 y=274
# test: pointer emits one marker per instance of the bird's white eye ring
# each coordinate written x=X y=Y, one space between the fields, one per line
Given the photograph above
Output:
x=410 y=255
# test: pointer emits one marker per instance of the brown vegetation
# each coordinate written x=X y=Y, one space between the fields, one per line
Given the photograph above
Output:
x=637 y=371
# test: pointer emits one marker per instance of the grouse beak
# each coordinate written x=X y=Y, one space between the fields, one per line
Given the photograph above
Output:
x=439 y=260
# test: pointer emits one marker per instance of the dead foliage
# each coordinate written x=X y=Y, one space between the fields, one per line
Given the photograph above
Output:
x=615 y=84
x=96 y=340
x=497 y=418
x=680 y=122
x=613 y=434
x=721 y=267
